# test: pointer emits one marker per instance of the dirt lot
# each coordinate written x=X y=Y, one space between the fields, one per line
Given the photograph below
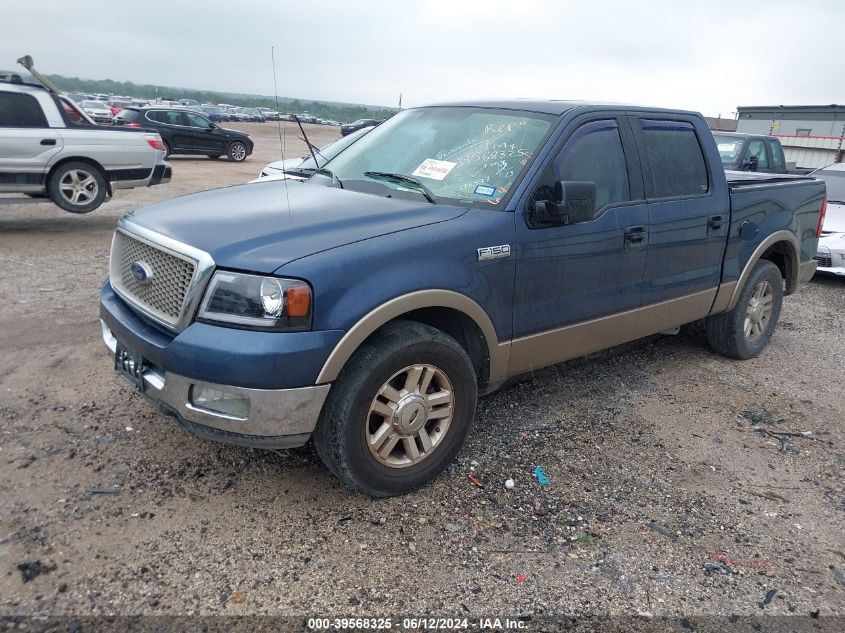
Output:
x=663 y=496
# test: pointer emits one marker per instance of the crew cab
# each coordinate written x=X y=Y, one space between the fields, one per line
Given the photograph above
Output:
x=750 y=152
x=50 y=146
x=450 y=249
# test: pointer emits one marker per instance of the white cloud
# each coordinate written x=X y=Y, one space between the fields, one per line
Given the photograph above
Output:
x=708 y=56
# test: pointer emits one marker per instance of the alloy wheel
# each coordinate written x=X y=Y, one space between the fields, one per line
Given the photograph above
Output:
x=78 y=187
x=410 y=416
x=759 y=310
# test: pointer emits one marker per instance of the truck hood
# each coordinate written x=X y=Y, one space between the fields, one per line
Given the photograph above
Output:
x=251 y=228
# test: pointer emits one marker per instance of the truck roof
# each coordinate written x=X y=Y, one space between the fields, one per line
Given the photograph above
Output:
x=556 y=107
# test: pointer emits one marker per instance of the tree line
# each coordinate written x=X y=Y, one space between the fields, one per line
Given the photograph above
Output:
x=333 y=111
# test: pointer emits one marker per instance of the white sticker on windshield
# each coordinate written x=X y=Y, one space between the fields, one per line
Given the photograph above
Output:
x=434 y=169
x=726 y=147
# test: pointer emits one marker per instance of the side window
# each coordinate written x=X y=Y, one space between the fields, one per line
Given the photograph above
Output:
x=757 y=149
x=672 y=158
x=778 y=161
x=197 y=120
x=20 y=110
x=593 y=153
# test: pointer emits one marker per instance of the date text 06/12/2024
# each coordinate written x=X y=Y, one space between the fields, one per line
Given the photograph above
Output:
x=418 y=624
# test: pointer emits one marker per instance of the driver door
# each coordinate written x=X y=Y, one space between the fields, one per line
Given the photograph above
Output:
x=579 y=273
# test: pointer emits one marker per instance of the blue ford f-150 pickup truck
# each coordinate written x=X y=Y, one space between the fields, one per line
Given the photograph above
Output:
x=453 y=247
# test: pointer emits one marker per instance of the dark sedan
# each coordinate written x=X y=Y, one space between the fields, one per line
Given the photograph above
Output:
x=348 y=128
x=188 y=132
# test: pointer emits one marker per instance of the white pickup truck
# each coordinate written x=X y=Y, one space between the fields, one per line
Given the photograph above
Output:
x=50 y=148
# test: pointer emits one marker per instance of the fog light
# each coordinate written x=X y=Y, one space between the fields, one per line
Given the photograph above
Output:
x=219 y=401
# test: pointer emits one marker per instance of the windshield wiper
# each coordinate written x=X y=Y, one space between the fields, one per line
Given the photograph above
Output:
x=326 y=172
x=404 y=180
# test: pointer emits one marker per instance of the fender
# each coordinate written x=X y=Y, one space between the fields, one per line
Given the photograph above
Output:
x=358 y=333
x=728 y=293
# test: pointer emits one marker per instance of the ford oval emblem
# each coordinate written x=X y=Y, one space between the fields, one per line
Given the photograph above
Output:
x=142 y=272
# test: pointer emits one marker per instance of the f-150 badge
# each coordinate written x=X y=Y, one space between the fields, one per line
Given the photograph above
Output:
x=494 y=252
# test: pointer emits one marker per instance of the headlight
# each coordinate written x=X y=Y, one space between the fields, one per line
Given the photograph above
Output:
x=267 y=303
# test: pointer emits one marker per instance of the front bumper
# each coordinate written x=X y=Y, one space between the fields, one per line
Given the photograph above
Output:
x=830 y=255
x=276 y=418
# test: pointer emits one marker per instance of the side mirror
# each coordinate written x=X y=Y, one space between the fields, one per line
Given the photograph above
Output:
x=574 y=201
x=750 y=164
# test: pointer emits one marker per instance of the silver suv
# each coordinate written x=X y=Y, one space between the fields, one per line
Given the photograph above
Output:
x=49 y=147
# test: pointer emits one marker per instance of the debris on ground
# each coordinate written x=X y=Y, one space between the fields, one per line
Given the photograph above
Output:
x=103 y=490
x=770 y=594
x=34 y=568
x=540 y=476
x=237 y=597
x=474 y=481
x=521 y=578
x=754 y=564
x=451 y=528
x=721 y=568
x=771 y=496
x=656 y=527
x=509 y=484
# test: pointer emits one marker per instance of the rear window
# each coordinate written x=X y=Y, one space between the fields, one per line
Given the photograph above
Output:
x=673 y=160
x=20 y=110
x=729 y=147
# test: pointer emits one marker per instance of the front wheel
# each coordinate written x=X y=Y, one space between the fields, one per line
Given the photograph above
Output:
x=77 y=187
x=744 y=331
x=237 y=152
x=399 y=412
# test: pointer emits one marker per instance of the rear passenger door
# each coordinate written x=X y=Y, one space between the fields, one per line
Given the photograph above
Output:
x=26 y=142
x=688 y=216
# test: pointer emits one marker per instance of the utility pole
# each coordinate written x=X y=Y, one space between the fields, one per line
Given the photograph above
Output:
x=400 y=100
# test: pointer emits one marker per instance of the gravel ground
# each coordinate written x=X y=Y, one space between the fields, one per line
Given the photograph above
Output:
x=672 y=489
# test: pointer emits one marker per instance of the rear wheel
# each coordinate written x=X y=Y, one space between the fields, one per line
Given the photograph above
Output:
x=77 y=187
x=237 y=152
x=744 y=331
x=166 y=149
x=399 y=412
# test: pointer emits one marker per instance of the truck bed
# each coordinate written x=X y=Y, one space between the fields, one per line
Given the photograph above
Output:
x=741 y=178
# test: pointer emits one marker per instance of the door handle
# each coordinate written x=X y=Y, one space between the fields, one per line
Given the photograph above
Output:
x=714 y=224
x=48 y=141
x=635 y=236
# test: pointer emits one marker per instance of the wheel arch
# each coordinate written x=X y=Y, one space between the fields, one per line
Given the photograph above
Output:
x=781 y=248
x=453 y=313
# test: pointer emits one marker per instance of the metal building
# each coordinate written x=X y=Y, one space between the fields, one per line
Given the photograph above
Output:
x=812 y=136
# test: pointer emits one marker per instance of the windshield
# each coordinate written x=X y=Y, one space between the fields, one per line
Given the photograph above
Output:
x=328 y=152
x=461 y=154
x=835 y=182
x=729 y=147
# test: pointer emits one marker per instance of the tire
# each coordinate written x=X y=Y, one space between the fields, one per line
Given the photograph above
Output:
x=166 y=148
x=236 y=151
x=351 y=422
x=744 y=331
x=214 y=156
x=77 y=187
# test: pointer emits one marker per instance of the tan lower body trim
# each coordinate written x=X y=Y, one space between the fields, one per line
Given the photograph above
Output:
x=723 y=297
x=548 y=348
x=806 y=271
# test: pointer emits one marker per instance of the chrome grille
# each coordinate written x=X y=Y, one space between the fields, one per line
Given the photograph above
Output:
x=164 y=294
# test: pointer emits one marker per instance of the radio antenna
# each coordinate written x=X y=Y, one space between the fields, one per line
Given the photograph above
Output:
x=282 y=129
